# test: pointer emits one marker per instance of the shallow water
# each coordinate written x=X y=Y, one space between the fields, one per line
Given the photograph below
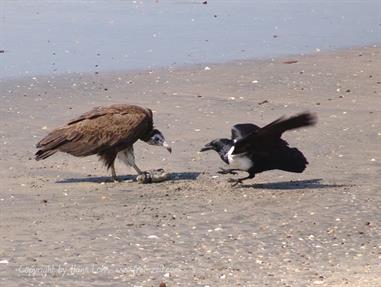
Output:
x=46 y=37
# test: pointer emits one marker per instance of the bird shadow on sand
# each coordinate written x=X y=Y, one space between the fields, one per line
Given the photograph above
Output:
x=184 y=175
x=96 y=179
x=173 y=176
x=294 y=184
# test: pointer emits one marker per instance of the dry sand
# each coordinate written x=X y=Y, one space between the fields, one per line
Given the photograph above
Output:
x=61 y=225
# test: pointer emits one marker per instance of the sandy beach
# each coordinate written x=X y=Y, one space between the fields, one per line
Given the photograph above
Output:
x=63 y=225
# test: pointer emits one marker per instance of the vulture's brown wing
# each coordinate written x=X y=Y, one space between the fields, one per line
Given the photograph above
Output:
x=102 y=128
x=113 y=109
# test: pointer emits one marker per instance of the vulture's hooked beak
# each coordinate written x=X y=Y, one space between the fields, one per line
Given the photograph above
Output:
x=166 y=145
x=207 y=147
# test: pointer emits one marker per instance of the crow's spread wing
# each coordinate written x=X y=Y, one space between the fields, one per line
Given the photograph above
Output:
x=265 y=139
x=240 y=131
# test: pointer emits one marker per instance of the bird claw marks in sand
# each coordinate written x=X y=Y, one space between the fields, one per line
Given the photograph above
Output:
x=152 y=176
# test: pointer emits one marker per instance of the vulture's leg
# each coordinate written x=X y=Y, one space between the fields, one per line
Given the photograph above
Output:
x=108 y=158
x=128 y=157
x=138 y=170
x=113 y=173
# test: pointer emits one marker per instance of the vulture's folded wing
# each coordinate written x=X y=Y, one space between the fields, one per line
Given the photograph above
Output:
x=113 y=109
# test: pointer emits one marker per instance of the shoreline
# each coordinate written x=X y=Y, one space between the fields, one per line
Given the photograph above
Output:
x=194 y=66
x=315 y=228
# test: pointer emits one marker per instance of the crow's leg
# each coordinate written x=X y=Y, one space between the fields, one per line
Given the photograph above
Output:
x=237 y=181
x=227 y=171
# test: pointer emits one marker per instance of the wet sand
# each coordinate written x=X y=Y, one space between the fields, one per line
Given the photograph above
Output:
x=61 y=224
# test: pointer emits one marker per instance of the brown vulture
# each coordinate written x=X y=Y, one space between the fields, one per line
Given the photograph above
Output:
x=254 y=149
x=107 y=132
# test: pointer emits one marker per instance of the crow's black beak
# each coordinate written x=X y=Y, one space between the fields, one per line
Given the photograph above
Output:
x=207 y=147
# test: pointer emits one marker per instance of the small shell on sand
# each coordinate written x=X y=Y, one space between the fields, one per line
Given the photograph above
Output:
x=152 y=237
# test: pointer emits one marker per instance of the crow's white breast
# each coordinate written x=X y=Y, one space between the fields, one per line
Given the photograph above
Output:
x=239 y=161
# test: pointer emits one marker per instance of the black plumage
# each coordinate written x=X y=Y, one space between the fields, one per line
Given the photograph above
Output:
x=255 y=150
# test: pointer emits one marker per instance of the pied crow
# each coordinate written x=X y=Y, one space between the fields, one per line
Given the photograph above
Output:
x=254 y=149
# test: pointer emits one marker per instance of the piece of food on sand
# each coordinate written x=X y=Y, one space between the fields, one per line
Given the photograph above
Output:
x=152 y=176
